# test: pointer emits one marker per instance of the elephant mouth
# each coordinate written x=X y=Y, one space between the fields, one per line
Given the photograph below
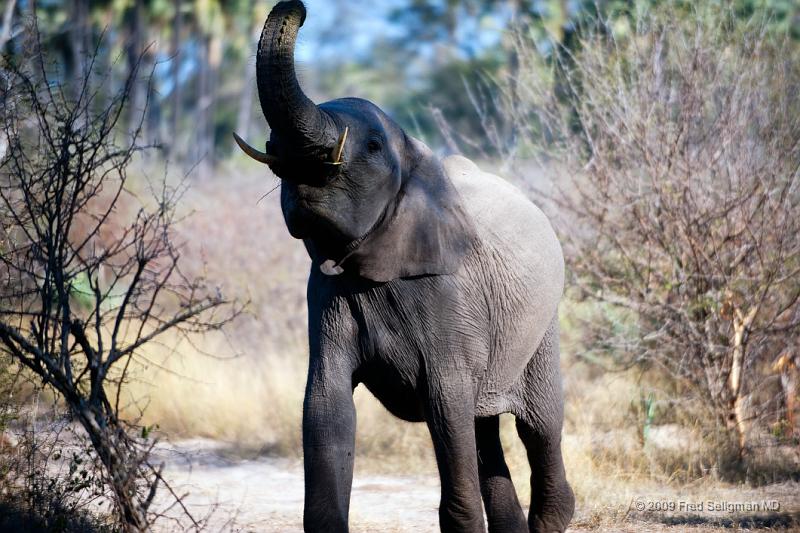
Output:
x=307 y=219
x=307 y=216
x=310 y=174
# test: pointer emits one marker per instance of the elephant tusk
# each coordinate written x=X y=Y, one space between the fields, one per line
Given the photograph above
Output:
x=261 y=157
x=336 y=154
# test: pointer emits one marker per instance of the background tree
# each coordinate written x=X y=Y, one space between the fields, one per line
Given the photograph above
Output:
x=680 y=160
x=414 y=57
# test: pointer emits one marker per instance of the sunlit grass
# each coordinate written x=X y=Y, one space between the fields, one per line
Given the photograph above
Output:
x=246 y=388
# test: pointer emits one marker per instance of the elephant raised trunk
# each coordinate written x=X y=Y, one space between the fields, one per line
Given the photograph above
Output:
x=290 y=113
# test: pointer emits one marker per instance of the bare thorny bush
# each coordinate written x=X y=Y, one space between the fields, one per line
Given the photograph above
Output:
x=676 y=153
x=81 y=292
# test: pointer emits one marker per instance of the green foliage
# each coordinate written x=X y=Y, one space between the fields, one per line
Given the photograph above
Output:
x=148 y=430
x=81 y=291
x=82 y=294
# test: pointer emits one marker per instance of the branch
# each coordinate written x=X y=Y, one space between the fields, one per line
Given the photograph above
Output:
x=182 y=318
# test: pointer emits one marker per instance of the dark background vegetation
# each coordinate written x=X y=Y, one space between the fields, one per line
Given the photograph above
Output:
x=663 y=139
x=197 y=71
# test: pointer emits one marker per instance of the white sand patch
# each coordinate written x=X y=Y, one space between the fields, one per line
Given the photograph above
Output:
x=266 y=493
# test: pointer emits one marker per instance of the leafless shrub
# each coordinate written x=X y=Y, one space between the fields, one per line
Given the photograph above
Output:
x=82 y=293
x=48 y=482
x=677 y=153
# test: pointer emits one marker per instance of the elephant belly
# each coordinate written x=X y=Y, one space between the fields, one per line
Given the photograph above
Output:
x=522 y=308
x=520 y=267
x=399 y=399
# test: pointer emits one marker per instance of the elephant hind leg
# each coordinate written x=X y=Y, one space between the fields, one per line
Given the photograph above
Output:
x=503 y=510
x=539 y=426
x=552 y=500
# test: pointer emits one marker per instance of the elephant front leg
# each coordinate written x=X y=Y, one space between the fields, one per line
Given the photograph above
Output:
x=450 y=418
x=329 y=425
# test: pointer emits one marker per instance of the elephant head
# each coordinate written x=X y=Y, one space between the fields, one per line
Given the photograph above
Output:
x=365 y=197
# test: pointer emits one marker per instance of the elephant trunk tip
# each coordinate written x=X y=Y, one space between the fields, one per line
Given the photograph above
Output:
x=284 y=104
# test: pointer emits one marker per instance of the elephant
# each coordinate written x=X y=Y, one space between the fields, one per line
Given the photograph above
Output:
x=432 y=283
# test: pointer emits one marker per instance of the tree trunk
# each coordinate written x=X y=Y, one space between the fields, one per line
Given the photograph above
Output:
x=121 y=466
x=136 y=97
x=151 y=102
x=245 y=105
x=78 y=42
x=248 y=92
x=214 y=61
x=5 y=36
x=736 y=398
x=177 y=30
x=788 y=367
x=201 y=126
x=518 y=28
x=8 y=18
x=208 y=59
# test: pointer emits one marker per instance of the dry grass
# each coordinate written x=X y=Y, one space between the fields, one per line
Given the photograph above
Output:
x=246 y=400
x=247 y=388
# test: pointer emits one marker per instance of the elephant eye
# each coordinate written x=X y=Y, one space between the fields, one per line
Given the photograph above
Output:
x=374 y=145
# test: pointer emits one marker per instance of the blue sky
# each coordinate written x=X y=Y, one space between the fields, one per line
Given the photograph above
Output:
x=361 y=25
x=365 y=22
x=340 y=31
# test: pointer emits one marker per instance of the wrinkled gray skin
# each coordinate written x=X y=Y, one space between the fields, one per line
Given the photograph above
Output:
x=432 y=283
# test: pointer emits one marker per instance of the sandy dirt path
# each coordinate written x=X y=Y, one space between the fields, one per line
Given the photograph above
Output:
x=265 y=494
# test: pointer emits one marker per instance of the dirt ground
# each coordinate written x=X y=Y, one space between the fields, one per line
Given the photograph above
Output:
x=266 y=494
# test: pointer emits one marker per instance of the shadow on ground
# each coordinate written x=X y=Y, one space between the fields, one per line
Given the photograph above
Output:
x=15 y=516
x=776 y=520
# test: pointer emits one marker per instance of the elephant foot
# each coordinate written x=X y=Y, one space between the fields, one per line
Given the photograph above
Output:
x=554 y=512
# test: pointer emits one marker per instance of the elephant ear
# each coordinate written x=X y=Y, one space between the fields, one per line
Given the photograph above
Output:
x=429 y=231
